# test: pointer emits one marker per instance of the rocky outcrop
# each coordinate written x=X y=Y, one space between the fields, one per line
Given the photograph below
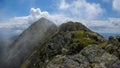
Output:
x=91 y=56
x=98 y=57
x=113 y=46
x=27 y=41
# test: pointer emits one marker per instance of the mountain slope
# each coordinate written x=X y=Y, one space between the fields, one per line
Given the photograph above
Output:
x=71 y=45
x=69 y=39
x=27 y=41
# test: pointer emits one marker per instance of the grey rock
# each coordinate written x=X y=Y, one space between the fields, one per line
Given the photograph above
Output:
x=60 y=61
x=99 y=57
x=91 y=56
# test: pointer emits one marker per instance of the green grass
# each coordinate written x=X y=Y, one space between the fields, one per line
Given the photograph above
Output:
x=79 y=37
x=78 y=34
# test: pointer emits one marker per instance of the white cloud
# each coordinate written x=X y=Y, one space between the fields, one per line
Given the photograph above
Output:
x=16 y=25
x=116 y=5
x=111 y=25
x=81 y=9
x=64 y=5
x=35 y=14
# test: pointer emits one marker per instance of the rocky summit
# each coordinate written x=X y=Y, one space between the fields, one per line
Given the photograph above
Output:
x=71 y=45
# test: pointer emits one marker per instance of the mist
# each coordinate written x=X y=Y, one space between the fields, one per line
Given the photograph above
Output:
x=16 y=52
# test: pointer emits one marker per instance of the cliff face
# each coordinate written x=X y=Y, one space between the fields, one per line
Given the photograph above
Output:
x=27 y=41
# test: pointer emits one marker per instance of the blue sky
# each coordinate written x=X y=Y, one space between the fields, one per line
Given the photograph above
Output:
x=102 y=16
x=21 y=7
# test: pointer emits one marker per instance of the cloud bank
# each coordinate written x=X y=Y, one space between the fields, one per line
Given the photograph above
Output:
x=78 y=10
x=111 y=25
x=16 y=25
x=81 y=9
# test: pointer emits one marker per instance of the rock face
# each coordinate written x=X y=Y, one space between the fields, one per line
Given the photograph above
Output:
x=27 y=41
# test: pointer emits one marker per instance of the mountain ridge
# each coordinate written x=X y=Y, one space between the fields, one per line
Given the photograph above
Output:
x=69 y=39
x=70 y=45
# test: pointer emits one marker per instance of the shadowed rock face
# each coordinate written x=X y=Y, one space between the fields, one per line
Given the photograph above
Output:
x=27 y=41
